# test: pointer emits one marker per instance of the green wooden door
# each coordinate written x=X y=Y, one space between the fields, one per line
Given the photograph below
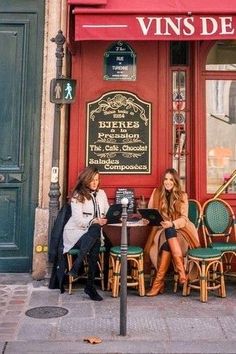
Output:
x=21 y=46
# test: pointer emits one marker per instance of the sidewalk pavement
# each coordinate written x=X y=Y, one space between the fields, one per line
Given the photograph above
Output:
x=169 y=323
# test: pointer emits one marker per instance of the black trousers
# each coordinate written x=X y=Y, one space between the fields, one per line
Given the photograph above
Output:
x=170 y=232
x=89 y=245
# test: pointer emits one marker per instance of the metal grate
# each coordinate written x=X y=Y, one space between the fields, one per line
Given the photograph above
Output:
x=46 y=312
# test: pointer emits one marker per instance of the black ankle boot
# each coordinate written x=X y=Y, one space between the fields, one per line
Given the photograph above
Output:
x=92 y=293
x=72 y=273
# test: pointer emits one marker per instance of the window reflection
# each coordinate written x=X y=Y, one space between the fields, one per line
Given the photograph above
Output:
x=221 y=133
x=222 y=56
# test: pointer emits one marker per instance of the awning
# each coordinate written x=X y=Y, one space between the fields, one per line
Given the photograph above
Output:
x=154 y=19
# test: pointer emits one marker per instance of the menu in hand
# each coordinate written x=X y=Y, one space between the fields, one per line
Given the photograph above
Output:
x=152 y=215
x=114 y=214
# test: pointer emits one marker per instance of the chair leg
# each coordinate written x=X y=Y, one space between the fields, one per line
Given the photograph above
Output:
x=69 y=262
x=186 y=285
x=110 y=273
x=101 y=269
x=186 y=289
x=116 y=278
x=141 y=277
x=203 y=283
x=222 y=281
x=134 y=269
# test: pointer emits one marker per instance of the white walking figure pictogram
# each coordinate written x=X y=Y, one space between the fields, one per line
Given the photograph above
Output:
x=68 y=91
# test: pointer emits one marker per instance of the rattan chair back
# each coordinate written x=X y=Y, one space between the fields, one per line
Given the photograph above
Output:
x=217 y=220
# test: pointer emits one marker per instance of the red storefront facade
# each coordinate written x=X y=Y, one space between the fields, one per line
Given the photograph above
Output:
x=148 y=76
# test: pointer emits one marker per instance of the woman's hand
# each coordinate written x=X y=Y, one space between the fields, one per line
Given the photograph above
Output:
x=145 y=221
x=100 y=221
x=166 y=224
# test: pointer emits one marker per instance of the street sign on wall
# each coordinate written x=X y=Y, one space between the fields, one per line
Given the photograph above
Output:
x=62 y=91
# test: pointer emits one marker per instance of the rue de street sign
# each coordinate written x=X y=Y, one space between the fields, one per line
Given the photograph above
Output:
x=62 y=91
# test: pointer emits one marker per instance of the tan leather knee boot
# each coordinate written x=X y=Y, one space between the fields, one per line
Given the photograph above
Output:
x=158 y=283
x=177 y=258
x=179 y=265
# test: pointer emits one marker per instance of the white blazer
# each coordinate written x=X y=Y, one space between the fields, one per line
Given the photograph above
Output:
x=82 y=215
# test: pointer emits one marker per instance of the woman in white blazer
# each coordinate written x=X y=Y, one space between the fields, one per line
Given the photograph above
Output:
x=83 y=230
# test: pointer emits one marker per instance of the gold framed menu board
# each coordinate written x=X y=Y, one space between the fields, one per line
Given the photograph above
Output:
x=119 y=134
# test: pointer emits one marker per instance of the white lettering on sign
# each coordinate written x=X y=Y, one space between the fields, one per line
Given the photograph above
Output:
x=226 y=22
x=183 y=25
x=211 y=26
x=188 y=29
x=164 y=25
x=119 y=124
x=145 y=28
x=167 y=26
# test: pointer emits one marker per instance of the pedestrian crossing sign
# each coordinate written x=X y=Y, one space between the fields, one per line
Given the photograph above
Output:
x=62 y=91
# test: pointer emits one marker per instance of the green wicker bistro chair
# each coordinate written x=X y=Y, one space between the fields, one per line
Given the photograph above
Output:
x=195 y=212
x=218 y=223
x=194 y=215
x=72 y=253
x=210 y=275
x=135 y=278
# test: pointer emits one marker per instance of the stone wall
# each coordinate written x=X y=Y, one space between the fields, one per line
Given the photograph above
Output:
x=55 y=20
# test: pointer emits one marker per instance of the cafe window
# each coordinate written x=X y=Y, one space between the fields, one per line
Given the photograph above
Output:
x=179 y=53
x=221 y=115
x=222 y=56
x=221 y=133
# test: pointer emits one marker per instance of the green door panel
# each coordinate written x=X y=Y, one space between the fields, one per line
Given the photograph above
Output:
x=21 y=48
x=11 y=116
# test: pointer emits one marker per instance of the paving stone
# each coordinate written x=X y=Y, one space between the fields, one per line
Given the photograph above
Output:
x=37 y=329
x=228 y=324
x=83 y=312
x=13 y=313
x=194 y=328
x=8 y=324
x=43 y=298
x=200 y=347
x=7 y=330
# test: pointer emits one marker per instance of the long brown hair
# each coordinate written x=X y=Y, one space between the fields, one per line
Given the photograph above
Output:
x=81 y=190
x=170 y=202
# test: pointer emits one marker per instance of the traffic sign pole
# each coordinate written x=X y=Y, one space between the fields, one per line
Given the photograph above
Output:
x=54 y=192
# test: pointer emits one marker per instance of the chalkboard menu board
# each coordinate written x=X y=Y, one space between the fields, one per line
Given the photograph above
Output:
x=119 y=134
x=129 y=194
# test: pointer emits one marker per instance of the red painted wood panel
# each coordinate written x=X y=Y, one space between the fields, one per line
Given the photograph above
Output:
x=151 y=86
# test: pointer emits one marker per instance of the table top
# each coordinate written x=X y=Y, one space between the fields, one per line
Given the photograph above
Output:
x=130 y=224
